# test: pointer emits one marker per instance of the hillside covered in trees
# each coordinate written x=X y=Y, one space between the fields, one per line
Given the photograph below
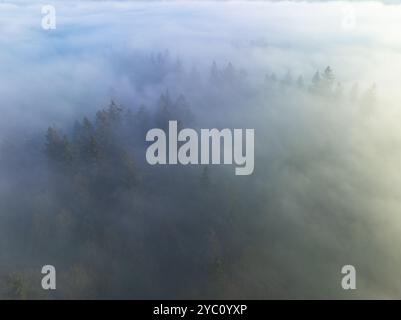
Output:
x=116 y=227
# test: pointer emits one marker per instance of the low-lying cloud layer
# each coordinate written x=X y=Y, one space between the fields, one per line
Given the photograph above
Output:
x=325 y=191
x=92 y=52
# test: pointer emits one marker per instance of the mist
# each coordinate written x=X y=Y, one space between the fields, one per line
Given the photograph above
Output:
x=317 y=81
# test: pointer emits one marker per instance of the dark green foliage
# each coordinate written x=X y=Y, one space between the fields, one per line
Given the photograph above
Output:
x=96 y=153
x=169 y=109
x=57 y=148
x=120 y=228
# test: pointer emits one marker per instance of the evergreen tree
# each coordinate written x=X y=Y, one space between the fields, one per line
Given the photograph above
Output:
x=214 y=73
x=57 y=148
x=316 y=79
x=182 y=110
x=229 y=73
x=300 y=82
x=114 y=113
x=178 y=67
x=328 y=80
x=142 y=122
x=316 y=82
x=164 y=112
x=287 y=80
x=328 y=75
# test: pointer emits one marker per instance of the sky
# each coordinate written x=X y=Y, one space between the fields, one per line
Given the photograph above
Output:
x=261 y=37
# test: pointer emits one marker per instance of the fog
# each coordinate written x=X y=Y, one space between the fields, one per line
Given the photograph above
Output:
x=324 y=192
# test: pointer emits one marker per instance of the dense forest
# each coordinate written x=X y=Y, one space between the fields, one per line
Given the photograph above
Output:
x=83 y=198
